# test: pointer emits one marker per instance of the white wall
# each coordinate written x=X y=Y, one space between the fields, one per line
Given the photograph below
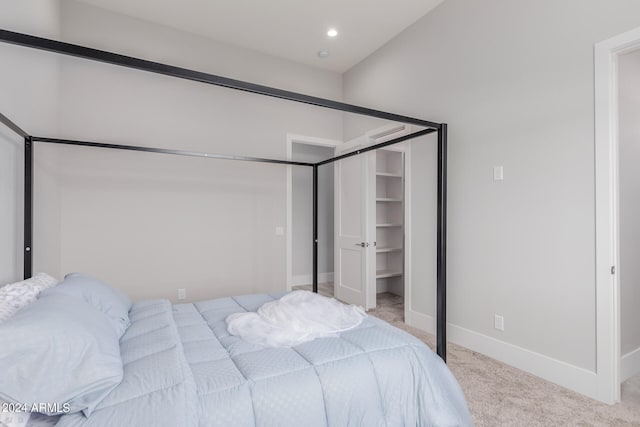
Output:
x=629 y=155
x=202 y=224
x=28 y=83
x=514 y=80
x=302 y=202
x=150 y=224
x=423 y=251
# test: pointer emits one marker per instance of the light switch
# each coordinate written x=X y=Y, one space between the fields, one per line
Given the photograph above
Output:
x=279 y=231
x=498 y=173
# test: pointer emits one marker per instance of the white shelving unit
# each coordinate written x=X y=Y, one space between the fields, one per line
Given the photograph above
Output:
x=389 y=221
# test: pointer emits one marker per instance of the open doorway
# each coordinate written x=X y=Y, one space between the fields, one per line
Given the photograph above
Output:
x=629 y=220
x=373 y=227
x=299 y=214
x=610 y=267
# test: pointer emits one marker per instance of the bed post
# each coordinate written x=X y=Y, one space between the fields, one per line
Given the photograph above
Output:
x=28 y=207
x=315 y=228
x=441 y=323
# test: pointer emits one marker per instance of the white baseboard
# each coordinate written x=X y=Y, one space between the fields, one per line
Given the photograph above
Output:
x=630 y=365
x=307 y=279
x=421 y=321
x=570 y=376
x=556 y=371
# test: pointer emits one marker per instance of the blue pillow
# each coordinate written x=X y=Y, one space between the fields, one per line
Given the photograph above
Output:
x=59 y=350
x=112 y=302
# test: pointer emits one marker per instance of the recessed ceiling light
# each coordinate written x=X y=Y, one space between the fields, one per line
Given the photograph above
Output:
x=323 y=53
x=332 y=32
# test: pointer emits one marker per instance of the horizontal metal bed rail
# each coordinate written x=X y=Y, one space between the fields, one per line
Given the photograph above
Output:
x=11 y=125
x=377 y=146
x=198 y=76
x=166 y=151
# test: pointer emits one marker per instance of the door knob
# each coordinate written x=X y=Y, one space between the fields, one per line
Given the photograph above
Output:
x=363 y=244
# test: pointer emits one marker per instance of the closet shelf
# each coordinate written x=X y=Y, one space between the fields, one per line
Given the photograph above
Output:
x=388 y=225
x=389 y=174
x=382 y=274
x=388 y=249
x=388 y=199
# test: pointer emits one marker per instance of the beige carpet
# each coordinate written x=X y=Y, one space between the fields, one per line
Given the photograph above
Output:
x=500 y=395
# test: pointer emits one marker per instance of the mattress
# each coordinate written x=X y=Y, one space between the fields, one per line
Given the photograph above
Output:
x=182 y=368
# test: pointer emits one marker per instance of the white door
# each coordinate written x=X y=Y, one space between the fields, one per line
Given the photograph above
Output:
x=354 y=279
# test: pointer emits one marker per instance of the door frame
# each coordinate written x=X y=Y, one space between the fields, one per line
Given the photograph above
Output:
x=380 y=134
x=606 y=55
x=306 y=140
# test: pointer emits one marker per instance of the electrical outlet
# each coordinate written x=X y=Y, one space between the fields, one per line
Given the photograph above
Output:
x=182 y=293
x=498 y=322
x=279 y=231
x=498 y=173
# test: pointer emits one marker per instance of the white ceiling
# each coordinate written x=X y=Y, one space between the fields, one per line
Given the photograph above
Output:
x=290 y=29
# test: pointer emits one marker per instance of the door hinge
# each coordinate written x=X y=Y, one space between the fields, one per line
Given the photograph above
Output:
x=613 y=269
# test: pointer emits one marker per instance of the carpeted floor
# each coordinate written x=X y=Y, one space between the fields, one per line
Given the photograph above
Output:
x=500 y=395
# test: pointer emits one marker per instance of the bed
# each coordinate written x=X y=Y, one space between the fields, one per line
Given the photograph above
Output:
x=152 y=363
x=423 y=127
x=181 y=367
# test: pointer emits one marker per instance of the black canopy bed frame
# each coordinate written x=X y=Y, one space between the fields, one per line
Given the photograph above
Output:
x=187 y=74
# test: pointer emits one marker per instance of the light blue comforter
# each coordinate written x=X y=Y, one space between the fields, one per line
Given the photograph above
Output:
x=182 y=368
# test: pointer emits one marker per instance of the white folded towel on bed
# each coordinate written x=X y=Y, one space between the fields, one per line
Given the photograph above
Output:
x=297 y=317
